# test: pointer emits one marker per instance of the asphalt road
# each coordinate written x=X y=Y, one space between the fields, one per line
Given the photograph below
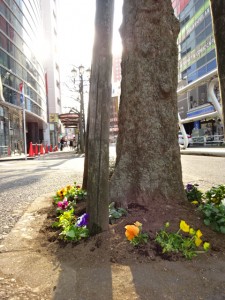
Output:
x=207 y=171
x=21 y=182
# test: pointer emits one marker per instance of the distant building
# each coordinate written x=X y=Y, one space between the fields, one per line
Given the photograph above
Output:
x=49 y=10
x=198 y=88
x=20 y=64
x=114 y=105
x=24 y=75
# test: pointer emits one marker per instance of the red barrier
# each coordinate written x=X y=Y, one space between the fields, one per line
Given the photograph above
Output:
x=36 y=149
x=42 y=150
x=46 y=149
x=50 y=148
x=31 y=152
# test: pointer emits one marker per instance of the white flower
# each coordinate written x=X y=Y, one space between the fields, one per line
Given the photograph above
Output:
x=223 y=202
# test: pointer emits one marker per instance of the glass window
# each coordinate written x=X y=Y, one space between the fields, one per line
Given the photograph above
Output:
x=211 y=55
x=211 y=66
x=200 y=27
x=198 y=4
x=202 y=71
x=202 y=94
x=201 y=62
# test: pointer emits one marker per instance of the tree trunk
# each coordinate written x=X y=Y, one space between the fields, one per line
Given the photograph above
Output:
x=218 y=20
x=148 y=166
x=98 y=126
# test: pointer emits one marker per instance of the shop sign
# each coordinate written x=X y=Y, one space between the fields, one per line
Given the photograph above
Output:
x=53 y=118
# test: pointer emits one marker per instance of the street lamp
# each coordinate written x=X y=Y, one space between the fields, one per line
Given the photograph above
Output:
x=81 y=81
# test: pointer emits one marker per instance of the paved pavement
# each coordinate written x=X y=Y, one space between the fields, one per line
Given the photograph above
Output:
x=18 y=280
x=206 y=151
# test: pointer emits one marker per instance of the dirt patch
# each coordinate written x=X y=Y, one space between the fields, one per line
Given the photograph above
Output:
x=120 y=271
x=121 y=251
x=107 y=266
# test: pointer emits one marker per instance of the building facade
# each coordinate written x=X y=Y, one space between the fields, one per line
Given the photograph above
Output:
x=21 y=72
x=49 y=10
x=26 y=78
x=198 y=89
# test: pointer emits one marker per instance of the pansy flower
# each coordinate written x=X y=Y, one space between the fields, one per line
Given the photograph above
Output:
x=189 y=187
x=198 y=241
x=184 y=226
x=82 y=220
x=131 y=232
x=63 y=204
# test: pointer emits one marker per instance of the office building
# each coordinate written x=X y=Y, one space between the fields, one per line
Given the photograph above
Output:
x=49 y=10
x=25 y=76
x=198 y=89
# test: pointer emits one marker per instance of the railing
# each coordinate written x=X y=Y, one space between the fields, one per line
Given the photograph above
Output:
x=3 y=150
x=208 y=140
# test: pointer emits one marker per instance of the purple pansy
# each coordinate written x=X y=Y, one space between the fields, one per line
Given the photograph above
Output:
x=189 y=187
x=63 y=204
x=82 y=220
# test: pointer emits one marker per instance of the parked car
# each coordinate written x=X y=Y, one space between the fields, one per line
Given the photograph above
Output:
x=181 y=139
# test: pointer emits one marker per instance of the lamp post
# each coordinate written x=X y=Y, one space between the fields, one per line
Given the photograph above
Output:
x=81 y=92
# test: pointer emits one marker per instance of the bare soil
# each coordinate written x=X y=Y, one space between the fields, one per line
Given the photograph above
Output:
x=36 y=264
x=167 y=276
x=122 y=251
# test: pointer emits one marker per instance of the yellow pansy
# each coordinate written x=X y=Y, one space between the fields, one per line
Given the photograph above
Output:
x=206 y=246
x=194 y=202
x=58 y=193
x=184 y=226
x=68 y=187
x=138 y=224
x=198 y=233
x=192 y=231
x=131 y=232
x=198 y=241
x=64 y=191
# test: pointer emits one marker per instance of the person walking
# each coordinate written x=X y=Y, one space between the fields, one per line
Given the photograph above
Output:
x=61 y=144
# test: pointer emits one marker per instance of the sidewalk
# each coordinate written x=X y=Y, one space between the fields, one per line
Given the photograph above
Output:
x=42 y=156
x=205 y=151
x=32 y=269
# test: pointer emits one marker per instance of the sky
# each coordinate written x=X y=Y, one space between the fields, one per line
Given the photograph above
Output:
x=76 y=31
x=76 y=36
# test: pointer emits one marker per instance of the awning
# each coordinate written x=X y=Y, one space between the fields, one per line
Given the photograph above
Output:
x=69 y=120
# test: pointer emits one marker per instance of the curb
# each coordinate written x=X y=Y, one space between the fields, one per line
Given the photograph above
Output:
x=201 y=153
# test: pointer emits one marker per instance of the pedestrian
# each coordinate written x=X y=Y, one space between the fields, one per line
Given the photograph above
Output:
x=61 y=144
x=74 y=144
x=71 y=144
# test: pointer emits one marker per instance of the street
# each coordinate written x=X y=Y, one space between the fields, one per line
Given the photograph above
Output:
x=21 y=182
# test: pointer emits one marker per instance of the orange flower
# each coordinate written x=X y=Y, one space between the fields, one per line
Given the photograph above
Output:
x=138 y=224
x=131 y=231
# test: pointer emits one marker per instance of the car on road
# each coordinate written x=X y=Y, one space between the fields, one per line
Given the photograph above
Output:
x=181 y=139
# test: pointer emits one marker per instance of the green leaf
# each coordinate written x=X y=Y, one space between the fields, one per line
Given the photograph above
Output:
x=71 y=234
x=55 y=225
x=207 y=222
x=222 y=229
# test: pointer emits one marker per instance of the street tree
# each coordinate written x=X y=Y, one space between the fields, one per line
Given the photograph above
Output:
x=97 y=152
x=218 y=20
x=148 y=166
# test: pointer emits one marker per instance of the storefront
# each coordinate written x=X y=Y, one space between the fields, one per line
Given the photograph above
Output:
x=11 y=138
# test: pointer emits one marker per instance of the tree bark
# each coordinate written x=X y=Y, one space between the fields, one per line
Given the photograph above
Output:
x=98 y=126
x=148 y=167
x=218 y=20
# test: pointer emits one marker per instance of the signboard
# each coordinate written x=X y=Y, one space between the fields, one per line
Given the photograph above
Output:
x=53 y=118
